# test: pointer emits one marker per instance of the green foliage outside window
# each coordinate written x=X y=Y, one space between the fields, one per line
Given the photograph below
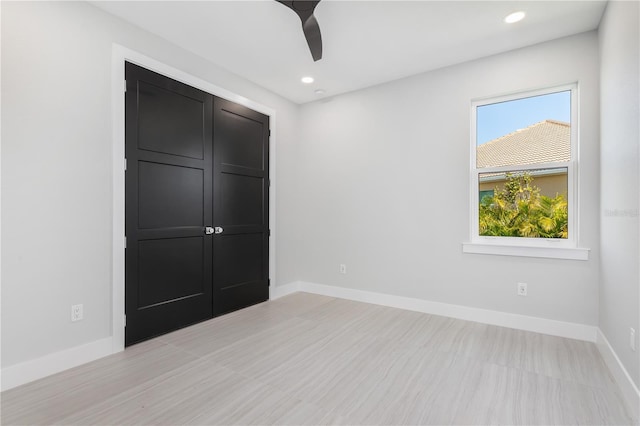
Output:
x=519 y=210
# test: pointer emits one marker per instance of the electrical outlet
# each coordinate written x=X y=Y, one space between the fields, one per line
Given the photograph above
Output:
x=77 y=312
x=632 y=339
x=343 y=268
x=522 y=289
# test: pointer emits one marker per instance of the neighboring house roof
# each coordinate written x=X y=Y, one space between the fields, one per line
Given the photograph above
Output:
x=544 y=142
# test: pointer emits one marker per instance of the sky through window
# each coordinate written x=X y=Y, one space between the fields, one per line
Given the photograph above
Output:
x=499 y=119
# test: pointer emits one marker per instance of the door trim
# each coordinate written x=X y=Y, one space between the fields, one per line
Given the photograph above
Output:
x=119 y=55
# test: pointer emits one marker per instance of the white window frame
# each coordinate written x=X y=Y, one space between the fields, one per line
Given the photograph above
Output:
x=566 y=248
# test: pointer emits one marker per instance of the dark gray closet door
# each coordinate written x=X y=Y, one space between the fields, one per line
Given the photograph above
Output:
x=169 y=256
x=240 y=206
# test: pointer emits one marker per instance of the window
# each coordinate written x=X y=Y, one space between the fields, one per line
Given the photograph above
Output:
x=523 y=165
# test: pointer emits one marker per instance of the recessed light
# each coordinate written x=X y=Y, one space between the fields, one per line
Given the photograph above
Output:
x=514 y=17
x=307 y=80
x=319 y=92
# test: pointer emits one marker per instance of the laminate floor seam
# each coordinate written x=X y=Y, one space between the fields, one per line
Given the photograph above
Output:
x=178 y=347
x=131 y=393
x=549 y=376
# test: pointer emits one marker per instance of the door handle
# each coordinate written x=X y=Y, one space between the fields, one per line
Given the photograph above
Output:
x=208 y=230
x=219 y=230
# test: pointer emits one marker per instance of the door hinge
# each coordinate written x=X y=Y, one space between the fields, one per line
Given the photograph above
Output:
x=125 y=86
x=125 y=164
x=268 y=283
x=125 y=242
x=125 y=320
x=269 y=132
x=268 y=232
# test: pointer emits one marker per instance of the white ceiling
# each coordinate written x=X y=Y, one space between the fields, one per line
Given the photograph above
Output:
x=364 y=42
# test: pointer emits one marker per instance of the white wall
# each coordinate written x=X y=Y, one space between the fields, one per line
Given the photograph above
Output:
x=57 y=168
x=383 y=176
x=620 y=181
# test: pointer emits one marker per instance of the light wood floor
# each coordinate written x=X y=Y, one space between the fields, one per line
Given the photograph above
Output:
x=308 y=359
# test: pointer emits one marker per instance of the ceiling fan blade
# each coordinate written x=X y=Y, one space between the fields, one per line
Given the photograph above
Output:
x=304 y=9
x=311 y=31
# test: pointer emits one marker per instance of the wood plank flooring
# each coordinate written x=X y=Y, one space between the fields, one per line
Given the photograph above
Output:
x=306 y=359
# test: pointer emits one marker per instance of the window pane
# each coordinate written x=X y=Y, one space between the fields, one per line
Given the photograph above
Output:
x=529 y=130
x=530 y=203
x=485 y=193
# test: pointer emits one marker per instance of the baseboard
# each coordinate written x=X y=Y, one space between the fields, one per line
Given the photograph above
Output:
x=627 y=386
x=485 y=316
x=28 y=371
x=283 y=290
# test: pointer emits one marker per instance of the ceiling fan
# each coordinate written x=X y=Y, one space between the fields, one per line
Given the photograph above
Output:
x=310 y=27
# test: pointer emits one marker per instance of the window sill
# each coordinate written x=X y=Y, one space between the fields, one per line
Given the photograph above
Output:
x=527 y=251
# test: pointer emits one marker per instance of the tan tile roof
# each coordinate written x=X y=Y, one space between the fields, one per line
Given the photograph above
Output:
x=543 y=142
